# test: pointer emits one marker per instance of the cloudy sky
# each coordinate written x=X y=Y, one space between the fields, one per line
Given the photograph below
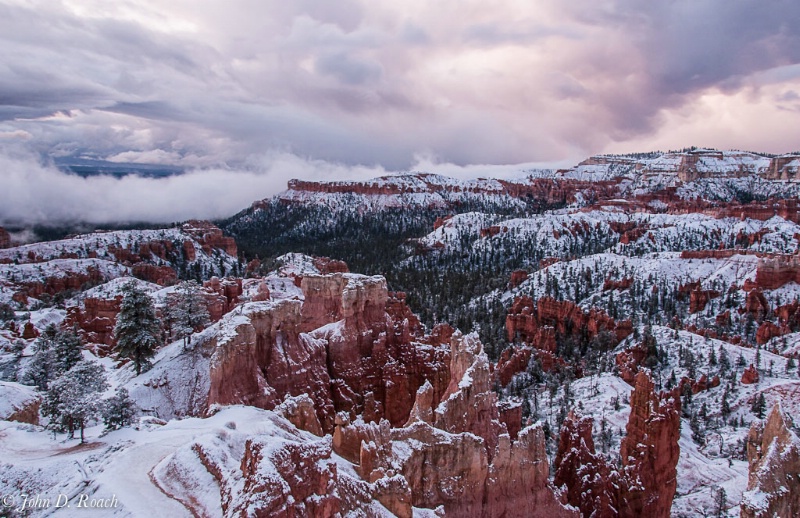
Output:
x=252 y=92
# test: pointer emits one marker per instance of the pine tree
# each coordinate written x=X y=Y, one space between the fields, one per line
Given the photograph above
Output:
x=67 y=348
x=72 y=398
x=650 y=345
x=759 y=406
x=724 y=360
x=740 y=361
x=686 y=402
x=698 y=435
x=720 y=502
x=725 y=407
x=137 y=328
x=42 y=367
x=672 y=381
x=187 y=311
x=118 y=410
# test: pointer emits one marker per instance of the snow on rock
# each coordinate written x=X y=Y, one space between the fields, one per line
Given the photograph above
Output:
x=19 y=403
x=465 y=460
x=773 y=486
x=185 y=466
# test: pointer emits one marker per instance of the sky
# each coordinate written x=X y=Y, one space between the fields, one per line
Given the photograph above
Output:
x=246 y=94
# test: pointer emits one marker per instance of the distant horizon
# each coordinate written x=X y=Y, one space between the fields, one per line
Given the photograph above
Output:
x=56 y=195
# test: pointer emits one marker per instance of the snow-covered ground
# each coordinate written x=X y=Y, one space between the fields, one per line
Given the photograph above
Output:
x=127 y=469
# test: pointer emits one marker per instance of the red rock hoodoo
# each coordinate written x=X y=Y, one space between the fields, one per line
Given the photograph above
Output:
x=646 y=483
x=773 y=486
x=750 y=375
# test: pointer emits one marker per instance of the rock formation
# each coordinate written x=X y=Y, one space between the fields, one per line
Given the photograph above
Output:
x=512 y=360
x=699 y=298
x=772 y=273
x=650 y=452
x=5 y=238
x=19 y=403
x=756 y=305
x=68 y=280
x=767 y=331
x=161 y=275
x=281 y=472
x=646 y=483
x=773 y=485
x=210 y=237
x=586 y=475
x=458 y=454
x=222 y=295
x=517 y=278
x=750 y=375
x=784 y=167
x=96 y=320
x=339 y=345
x=538 y=324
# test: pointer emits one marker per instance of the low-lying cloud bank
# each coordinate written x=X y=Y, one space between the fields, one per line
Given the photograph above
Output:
x=35 y=192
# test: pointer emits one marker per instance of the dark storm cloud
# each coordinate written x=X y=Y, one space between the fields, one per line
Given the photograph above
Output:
x=678 y=49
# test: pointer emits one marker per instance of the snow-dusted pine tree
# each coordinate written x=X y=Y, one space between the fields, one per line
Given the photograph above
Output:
x=118 y=410
x=55 y=352
x=187 y=311
x=72 y=398
x=42 y=366
x=137 y=328
x=67 y=348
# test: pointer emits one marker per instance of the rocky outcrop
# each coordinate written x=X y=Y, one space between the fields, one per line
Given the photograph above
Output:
x=538 y=324
x=456 y=453
x=646 y=482
x=586 y=475
x=549 y=192
x=784 y=167
x=222 y=295
x=265 y=358
x=766 y=332
x=5 y=238
x=371 y=354
x=772 y=273
x=650 y=452
x=69 y=280
x=349 y=345
x=96 y=320
x=274 y=471
x=699 y=298
x=19 y=403
x=161 y=275
x=29 y=331
x=750 y=375
x=756 y=305
x=517 y=278
x=153 y=250
x=210 y=237
x=300 y=412
x=773 y=485
x=326 y=265
x=512 y=360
